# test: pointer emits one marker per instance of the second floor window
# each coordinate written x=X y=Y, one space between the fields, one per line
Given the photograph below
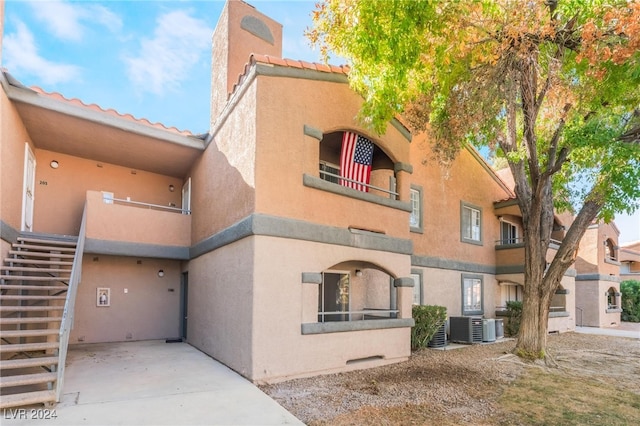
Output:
x=329 y=172
x=471 y=224
x=415 y=219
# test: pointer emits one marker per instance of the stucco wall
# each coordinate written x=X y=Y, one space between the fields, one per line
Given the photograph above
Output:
x=281 y=306
x=592 y=300
x=61 y=192
x=13 y=137
x=566 y=323
x=443 y=190
x=221 y=301
x=284 y=153
x=143 y=305
x=223 y=178
x=443 y=287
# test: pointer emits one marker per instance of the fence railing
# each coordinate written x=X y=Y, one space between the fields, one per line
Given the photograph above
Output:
x=66 y=323
x=340 y=178
x=111 y=200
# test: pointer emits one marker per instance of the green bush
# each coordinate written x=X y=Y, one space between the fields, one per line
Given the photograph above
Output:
x=429 y=319
x=630 y=293
x=514 y=315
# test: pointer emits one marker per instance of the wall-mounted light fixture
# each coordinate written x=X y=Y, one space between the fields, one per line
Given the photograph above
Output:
x=172 y=188
x=358 y=273
x=161 y=273
x=54 y=164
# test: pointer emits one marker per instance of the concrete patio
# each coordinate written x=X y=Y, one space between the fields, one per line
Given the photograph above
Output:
x=153 y=383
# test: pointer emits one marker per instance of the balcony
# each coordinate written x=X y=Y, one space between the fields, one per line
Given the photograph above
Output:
x=510 y=255
x=135 y=228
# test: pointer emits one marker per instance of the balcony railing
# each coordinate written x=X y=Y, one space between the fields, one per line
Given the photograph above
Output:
x=110 y=200
x=324 y=174
x=554 y=244
x=365 y=314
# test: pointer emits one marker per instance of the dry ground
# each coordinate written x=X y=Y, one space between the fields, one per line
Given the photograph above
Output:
x=596 y=380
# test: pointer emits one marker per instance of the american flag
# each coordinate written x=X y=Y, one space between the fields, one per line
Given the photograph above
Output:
x=355 y=160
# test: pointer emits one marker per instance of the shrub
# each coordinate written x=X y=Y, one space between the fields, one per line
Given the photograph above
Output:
x=429 y=319
x=514 y=315
x=630 y=293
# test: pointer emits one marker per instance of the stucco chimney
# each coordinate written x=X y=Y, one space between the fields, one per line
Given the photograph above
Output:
x=241 y=31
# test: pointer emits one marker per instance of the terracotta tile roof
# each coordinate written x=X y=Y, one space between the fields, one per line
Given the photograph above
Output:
x=94 y=107
x=289 y=63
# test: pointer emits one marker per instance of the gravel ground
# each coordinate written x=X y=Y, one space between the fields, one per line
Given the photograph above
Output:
x=461 y=385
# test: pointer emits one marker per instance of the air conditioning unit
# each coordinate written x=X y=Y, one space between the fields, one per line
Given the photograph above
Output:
x=439 y=340
x=465 y=329
x=489 y=330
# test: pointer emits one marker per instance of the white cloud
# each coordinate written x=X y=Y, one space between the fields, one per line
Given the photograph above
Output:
x=67 y=21
x=163 y=62
x=20 y=55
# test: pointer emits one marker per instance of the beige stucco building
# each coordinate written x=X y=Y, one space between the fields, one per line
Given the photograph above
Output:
x=250 y=242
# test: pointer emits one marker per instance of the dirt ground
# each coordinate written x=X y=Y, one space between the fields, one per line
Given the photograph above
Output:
x=465 y=385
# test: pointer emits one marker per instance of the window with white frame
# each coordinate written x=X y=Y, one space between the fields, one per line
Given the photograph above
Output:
x=417 y=289
x=415 y=219
x=510 y=292
x=508 y=233
x=470 y=223
x=472 y=295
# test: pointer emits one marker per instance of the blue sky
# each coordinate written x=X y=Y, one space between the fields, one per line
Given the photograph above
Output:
x=150 y=59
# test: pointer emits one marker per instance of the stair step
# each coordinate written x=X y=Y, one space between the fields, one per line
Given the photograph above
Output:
x=9 y=308
x=27 y=379
x=36 y=297
x=43 y=361
x=46 y=241
x=31 y=254
x=30 y=247
x=30 y=333
x=36 y=269
x=26 y=347
x=28 y=320
x=34 y=287
x=31 y=278
x=37 y=261
x=28 y=398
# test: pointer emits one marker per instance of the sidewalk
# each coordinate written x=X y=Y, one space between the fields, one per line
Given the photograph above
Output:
x=626 y=329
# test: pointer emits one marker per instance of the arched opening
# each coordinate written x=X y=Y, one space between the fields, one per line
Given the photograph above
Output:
x=610 y=252
x=355 y=291
x=558 y=231
x=559 y=301
x=613 y=298
x=354 y=161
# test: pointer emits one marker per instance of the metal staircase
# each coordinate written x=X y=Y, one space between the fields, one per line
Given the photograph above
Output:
x=34 y=283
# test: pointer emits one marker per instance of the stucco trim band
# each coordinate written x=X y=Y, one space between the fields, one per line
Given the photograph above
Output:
x=313 y=132
x=597 y=277
x=123 y=248
x=403 y=282
x=402 y=167
x=342 y=326
x=273 y=226
x=454 y=265
x=323 y=185
x=311 y=278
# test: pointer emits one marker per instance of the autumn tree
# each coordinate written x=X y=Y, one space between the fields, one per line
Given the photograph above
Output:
x=551 y=85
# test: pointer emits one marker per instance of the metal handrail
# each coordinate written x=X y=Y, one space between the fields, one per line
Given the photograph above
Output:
x=149 y=205
x=66 y=323
x=520 y=240
x=322 y=172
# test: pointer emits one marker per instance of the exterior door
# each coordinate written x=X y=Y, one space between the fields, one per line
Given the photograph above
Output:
x=186 y=197
x=28 y=189
x=184 y=303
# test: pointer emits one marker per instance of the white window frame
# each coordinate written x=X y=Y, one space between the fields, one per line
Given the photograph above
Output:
x=332 y=179
x=509 y=239
x=416 y=215
x=418 y=293
x=472 y=294
x=471 y=228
